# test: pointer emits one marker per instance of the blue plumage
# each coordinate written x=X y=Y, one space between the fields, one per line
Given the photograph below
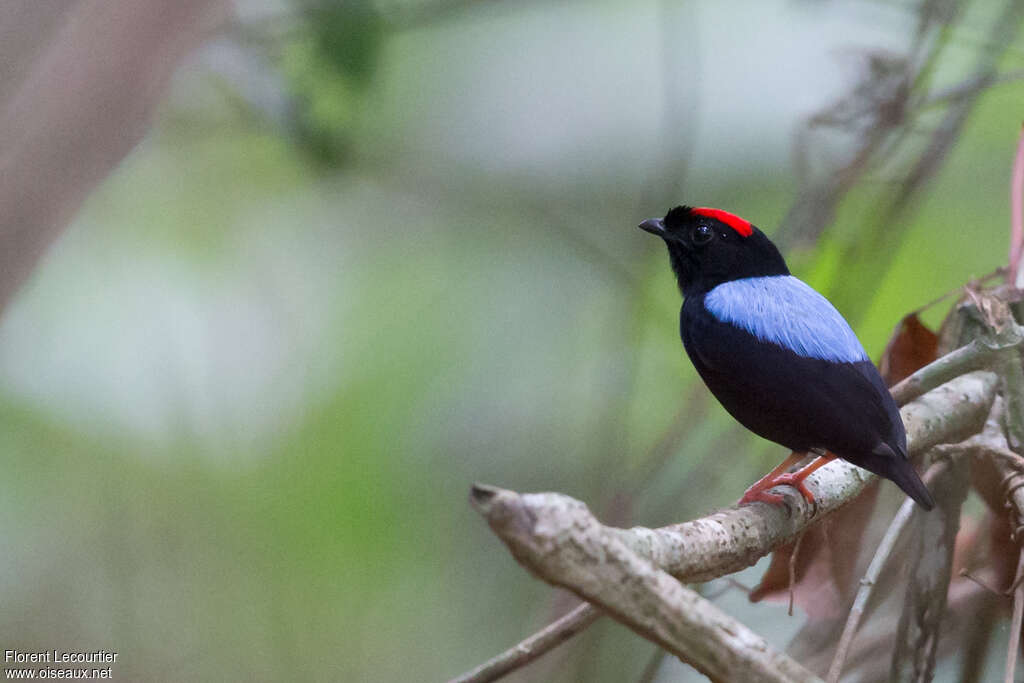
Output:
x=777 y=355
x=784 y=310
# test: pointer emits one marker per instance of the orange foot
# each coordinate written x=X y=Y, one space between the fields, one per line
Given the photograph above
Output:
x=777 y=477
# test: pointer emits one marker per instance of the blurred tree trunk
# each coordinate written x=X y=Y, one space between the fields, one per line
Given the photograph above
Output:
x=80 y=83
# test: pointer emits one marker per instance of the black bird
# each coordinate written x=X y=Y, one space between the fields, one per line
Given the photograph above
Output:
x=778 y=356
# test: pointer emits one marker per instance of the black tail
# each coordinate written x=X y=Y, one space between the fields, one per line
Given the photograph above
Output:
x=904 y=476
x=885 y=462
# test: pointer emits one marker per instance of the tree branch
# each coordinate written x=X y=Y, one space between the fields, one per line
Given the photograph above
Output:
x=557 y=537
x=603 y=569
x=930 y=566
x=867 y=584
x=528 y=650
x=993 y=444
x=977 y=354
x=1015 y=622
x=1002 y=430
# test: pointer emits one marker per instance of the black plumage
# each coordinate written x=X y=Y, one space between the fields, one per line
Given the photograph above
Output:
x=776 y=354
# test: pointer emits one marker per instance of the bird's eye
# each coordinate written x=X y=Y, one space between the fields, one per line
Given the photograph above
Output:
x=702 y=234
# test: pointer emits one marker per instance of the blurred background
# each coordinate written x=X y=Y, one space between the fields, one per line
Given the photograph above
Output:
x=282 y=279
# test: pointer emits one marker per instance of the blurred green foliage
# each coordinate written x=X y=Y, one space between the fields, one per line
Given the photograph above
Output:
x=329 y=67
x=295 y=375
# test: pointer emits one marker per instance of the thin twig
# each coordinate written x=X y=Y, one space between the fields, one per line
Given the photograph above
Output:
x=974 y=283
x=969 y=357
x=1018 y=611
x=993 y=442
x=929 y=571
x=979 y=630
x=1017 y=213
x=1009 y=458
x=652 y=666
x=977 y=354
x=727 y=584
x=792 y=570
x=978 y=581
x=969 y=87
x=867 y=584
x=1012 y=379
x=533 y=647
x=739 y=537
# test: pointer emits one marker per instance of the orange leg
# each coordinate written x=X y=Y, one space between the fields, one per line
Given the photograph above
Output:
x=779 y=476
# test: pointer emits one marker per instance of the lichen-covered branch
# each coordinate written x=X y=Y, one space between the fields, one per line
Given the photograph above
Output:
x=735 y=538
x=604 y=570
x=558 y=538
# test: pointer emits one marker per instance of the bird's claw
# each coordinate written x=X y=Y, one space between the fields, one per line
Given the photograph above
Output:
x=797 y=482
x=759 y=493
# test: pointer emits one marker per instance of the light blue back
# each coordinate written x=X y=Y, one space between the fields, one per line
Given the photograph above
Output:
x=784 y=310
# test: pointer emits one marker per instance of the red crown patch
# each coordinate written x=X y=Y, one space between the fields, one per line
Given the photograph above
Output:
x=740 y=225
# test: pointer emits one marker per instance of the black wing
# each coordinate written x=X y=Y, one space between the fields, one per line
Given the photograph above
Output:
x=794 y=400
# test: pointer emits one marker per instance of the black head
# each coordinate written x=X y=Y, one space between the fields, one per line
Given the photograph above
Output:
x=709 y=246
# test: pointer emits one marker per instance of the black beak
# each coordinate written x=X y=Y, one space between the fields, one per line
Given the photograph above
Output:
x=655 y=226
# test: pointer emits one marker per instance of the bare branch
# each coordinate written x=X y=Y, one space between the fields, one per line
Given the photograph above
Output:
x=546 y=531
x=1012 y=379
x=867 y=584
x=930 y=560
x=1016 y=213
x=653 y=664
x=603 y=569
x=989 y=443
x=968 y=87
x=993 y=444
x=533 y=647
x=972 y=356
x=1018 y=611
x=978 y=353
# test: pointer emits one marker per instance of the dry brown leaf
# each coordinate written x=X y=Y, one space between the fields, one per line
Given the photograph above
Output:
x=1002 y=552
x=825 y=563
x=987 y=481
x=911 y=347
